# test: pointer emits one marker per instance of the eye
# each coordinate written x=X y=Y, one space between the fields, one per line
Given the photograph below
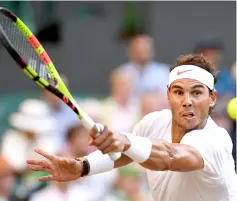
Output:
x=197 y=93
x=178 y=92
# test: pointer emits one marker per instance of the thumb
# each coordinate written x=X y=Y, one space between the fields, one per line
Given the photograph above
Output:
x=93 y=132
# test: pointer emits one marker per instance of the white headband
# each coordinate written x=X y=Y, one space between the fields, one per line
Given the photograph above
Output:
x=192 y=72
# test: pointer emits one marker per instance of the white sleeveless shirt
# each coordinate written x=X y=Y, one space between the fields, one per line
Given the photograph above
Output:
x=217 y=181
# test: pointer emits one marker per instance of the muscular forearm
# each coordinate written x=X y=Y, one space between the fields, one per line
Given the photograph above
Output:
x=155 y=155
x=166 y=156
x=161 y=157
x=122 y=161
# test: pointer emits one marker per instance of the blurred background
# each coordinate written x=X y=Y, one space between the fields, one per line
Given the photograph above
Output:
x=115 y=59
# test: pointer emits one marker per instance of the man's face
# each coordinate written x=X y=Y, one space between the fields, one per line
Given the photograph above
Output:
x=141 y=50
x=190 y=101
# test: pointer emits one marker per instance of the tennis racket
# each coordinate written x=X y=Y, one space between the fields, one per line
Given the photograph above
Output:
x=31 y=57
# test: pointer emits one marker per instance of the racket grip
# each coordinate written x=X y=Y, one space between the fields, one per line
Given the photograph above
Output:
x=113 y=156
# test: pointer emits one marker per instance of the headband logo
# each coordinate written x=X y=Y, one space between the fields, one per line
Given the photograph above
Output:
x=181 y=72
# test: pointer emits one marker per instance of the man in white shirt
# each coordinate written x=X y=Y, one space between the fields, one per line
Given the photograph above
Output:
x=147 y=74
x=187 y=156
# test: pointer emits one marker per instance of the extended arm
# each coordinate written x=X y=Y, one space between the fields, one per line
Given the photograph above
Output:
x=152 y=154
x=168 y=156
x=173 y=156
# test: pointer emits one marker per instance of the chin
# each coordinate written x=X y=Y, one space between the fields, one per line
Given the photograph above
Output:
x=189 y=126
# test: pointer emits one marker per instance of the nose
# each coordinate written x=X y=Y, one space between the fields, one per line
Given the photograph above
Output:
x=187 y=101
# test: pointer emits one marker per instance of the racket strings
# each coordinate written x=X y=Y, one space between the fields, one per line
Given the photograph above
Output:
x=23 y=47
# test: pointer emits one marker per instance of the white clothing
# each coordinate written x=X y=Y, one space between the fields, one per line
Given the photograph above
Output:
x=153 y=76
x=17 y=148
x=117 y=117
x=217 y=181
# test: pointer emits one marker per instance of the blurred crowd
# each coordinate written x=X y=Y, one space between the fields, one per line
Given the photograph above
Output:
x=137 y=88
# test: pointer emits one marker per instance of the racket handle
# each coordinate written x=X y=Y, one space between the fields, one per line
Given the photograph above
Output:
x=89 y=123
x=113 y=156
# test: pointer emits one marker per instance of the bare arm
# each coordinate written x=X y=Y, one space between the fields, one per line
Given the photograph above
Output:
x=168 y=156
x=122 y=161
x=173 y=156
x=164 y=155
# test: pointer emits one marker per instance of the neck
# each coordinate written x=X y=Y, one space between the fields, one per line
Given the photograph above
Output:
x=178 y=131
x=141 y=64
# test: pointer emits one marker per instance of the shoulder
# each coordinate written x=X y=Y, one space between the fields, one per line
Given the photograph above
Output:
x=212 y=135
x=214 y=145
x=151 y=121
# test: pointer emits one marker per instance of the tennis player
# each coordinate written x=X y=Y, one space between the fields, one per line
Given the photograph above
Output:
x=187 y=156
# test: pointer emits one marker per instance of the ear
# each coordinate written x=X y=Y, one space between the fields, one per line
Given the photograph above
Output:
x=168 y=94
x=213 y=98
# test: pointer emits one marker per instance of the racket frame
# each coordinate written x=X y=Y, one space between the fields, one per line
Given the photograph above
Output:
x=61 y=91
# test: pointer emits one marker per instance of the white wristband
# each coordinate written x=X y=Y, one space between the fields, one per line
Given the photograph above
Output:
x=140 y=148
x=99 y=162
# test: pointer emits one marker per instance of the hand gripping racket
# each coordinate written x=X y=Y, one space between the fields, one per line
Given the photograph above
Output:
x=29 y=54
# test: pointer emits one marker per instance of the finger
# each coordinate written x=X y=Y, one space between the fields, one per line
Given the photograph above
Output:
x=112 y=148
x=45 y=164
x=106 y=135
x=40 y=168
x=47 y=178
x=102 y=147
x=33 y=162
x=93 y=132
x=44 y=153
x=39 y=162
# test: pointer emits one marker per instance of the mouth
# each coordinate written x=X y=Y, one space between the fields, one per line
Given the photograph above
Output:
x=188 y=115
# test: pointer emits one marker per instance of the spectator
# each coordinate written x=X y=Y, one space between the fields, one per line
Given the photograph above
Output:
x=32 y=126
x=120 y=109
x=92 y=107
x=64 y=116
x=76 y=142
x=7 y=179
x=56 y=192
x=151 y=102
x=76 y=146
x=129 y=185
x=213 y=49
x=143 y=69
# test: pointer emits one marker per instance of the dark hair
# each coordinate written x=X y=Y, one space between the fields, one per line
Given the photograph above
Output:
x=197 y=60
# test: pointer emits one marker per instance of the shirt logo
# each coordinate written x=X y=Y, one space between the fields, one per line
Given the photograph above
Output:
x=181 y=72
